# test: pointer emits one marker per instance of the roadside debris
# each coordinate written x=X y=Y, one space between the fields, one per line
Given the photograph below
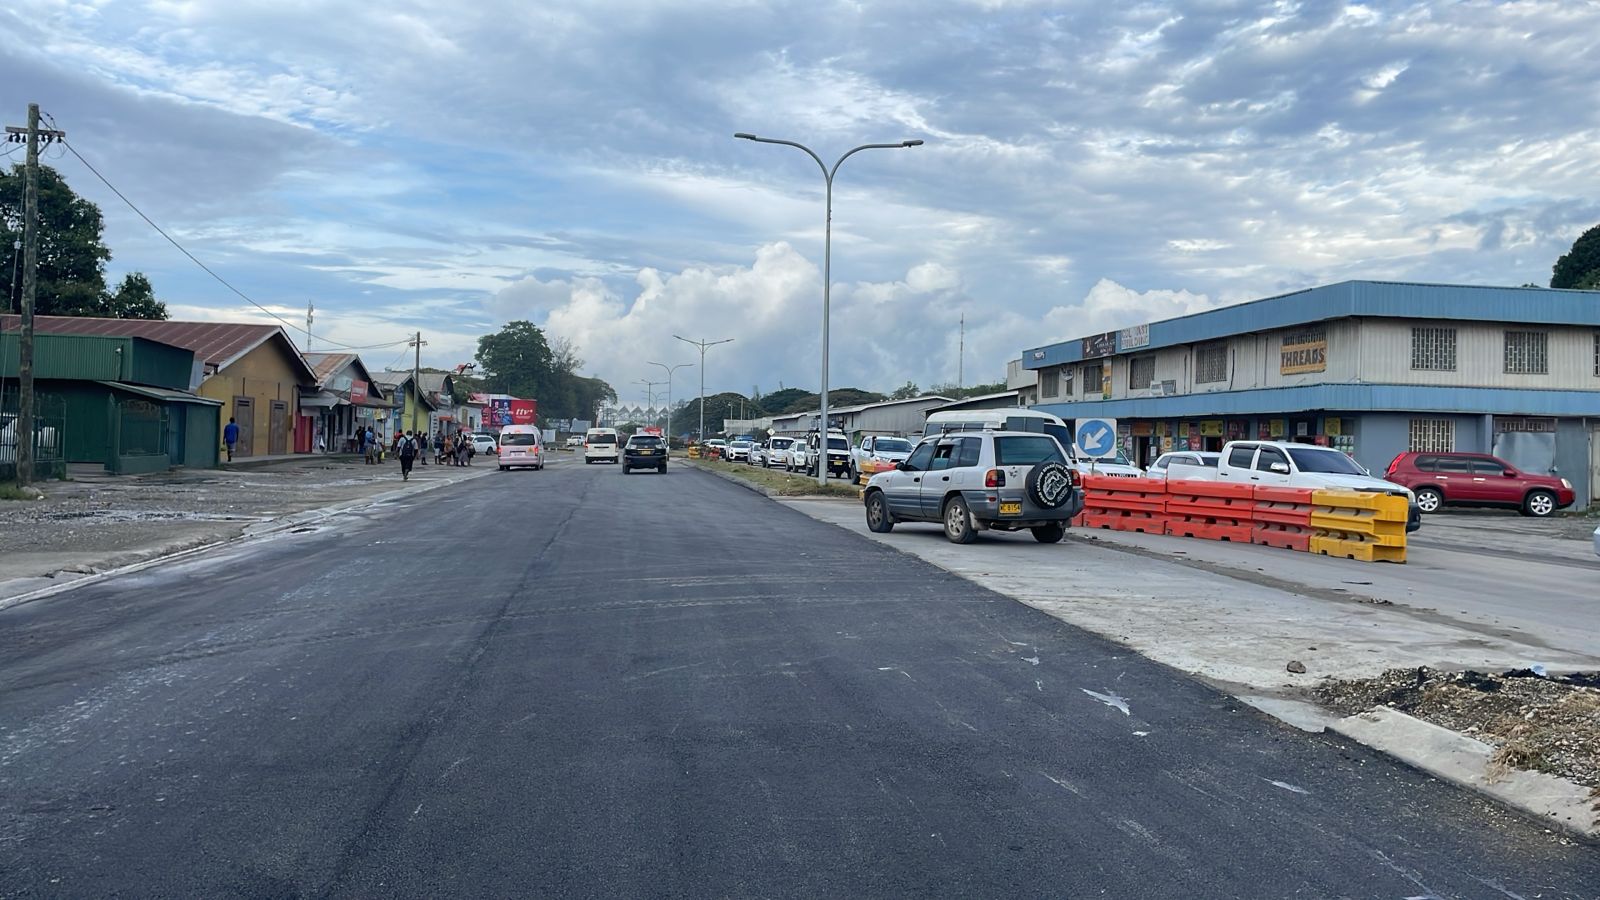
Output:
x=1296 y=666
x=1545 y=724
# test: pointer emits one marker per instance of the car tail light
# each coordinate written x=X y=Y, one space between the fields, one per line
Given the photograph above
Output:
x=1394 y=466
x=994 y=478
x=1075 y=476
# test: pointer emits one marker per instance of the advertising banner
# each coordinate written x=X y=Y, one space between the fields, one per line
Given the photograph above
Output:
x=1100 y=345
x=358 y=391
x=1304 y=351
x=523 y=412
x=1134 y=338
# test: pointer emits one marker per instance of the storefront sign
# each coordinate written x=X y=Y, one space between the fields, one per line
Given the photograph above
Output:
x=1332 y=426
x=1211 y=428
x=1100 y=345
x=1142 y=429
x=1134 y=338
x=1304 y=351
x=1523 y=425
x=358 y=391
x=1277 y=427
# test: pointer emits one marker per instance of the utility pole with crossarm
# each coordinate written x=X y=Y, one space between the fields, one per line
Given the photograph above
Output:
x=30 y=284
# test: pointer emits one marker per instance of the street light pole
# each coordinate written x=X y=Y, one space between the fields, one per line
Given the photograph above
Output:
x=827 y=266
x=702 y=345
x=670 y=370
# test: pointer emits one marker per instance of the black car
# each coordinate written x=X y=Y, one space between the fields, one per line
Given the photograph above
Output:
x=644 y=451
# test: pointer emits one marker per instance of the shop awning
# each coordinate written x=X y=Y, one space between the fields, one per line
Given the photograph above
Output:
x=163 y=394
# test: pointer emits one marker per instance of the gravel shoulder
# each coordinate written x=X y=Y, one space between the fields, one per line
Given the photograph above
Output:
x=97 y=522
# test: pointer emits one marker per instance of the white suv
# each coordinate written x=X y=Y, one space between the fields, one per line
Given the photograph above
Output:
x=979 y=481
x=738 y=451
x=778 y=451
x=881 y=450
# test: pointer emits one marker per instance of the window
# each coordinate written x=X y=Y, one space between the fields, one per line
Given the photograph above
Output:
x=920 y=457
x=1448 y=465
x=1050 y=383
x=1141 y=373
x=1488 y=467
x=1433 y=435
x=1026 y=451
x=1268 y=456
x=1091 y=379
x=1433 y=349
x=944 y=456
x=967 y=454
x=1332 y=462
x=1241 y=456
x=1527 y=353
x=1426 y=463
x=1597 y=354
x=1211 y=363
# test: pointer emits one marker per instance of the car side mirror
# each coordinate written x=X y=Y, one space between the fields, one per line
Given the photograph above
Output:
x=1510 y=474
x=902 y=466
x=1280 y=468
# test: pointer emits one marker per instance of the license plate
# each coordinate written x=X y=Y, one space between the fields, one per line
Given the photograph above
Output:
x=1011 y=508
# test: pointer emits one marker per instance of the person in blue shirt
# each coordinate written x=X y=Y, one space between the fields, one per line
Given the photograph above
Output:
x=230 y=436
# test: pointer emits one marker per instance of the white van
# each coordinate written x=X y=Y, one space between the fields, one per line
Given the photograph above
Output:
x=601 y=445
x=521 y=445
x=1016 y=418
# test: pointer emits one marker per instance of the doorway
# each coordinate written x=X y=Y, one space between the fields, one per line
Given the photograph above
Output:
x=278 y=429
x=244 y=415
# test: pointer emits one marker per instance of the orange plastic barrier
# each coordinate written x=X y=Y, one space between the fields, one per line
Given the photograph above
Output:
x=1282 y=518
x=1123 y=504
x=1213 y=510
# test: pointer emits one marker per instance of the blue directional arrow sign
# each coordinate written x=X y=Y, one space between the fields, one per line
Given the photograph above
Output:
x=1096 y=438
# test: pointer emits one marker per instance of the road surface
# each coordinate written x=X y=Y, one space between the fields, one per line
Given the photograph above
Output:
x=578 y=683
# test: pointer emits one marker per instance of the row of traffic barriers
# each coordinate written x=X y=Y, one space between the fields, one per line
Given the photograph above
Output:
x=1351 y=524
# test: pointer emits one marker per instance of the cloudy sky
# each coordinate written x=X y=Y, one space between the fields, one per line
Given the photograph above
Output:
x=449 y=167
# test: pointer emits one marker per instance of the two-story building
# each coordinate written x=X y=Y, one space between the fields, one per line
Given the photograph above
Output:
x=1373 y=368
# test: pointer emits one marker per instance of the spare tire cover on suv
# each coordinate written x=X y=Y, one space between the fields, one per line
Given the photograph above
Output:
x=1050 y=485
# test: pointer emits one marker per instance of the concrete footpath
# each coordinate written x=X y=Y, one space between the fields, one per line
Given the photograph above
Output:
x=97 y=524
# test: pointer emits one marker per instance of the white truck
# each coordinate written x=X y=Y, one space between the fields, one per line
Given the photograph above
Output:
x=1282 y=464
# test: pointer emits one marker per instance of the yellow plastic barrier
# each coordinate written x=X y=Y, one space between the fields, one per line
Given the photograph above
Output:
x=694 y=452
x=1359 y=525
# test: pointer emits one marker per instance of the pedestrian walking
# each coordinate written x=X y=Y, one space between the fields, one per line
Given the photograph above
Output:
x=406 y=449
x=230 y=436
x=422 y=445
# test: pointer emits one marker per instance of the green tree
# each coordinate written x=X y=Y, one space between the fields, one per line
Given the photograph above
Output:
x=72 y=257
x=778 y=402
x=849 y=396
x=516 y=360
x=972 y=390
x=906 y=391
x=719 y=407
x=1579 y=267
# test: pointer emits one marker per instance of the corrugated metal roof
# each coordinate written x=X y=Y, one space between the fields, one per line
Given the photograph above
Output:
x=1347 y=299
x=327 y=365
x=217 y=344
x=156 y=393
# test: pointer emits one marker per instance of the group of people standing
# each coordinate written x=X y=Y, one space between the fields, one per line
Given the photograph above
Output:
x=410 y=446
x=454 y=449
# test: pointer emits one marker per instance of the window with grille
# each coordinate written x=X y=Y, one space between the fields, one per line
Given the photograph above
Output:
x=1050 y=383
x=1527 y=353
x=1141 y=373
x=1597 y=354
x=1091 y=379
x=1433 y=435
x=1211 y=363
x=1433 y=349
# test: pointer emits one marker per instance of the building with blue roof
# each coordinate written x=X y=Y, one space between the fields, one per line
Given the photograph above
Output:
x=1374 y=368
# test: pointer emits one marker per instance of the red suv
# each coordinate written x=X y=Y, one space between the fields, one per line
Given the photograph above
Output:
x=1477 y=479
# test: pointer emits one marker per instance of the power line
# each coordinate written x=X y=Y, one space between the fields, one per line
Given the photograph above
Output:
x=192 y=258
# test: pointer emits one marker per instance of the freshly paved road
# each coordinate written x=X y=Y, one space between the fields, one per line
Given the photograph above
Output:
x=575 y=683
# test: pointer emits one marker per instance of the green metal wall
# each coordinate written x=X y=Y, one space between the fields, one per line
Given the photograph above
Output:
x=201 y=447
x=89 y=357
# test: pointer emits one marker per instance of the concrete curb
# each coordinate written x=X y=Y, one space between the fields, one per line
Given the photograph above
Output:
x=1464 y=762
x=251 y=532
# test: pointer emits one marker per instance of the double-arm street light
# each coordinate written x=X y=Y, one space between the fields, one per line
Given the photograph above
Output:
x=669 y=370
x=702 y=345
x=827 y=268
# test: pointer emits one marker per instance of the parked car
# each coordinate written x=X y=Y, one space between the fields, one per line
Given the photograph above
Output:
x=839 y=460
x=778 y=452
x=644 y=451
x=521 y=445
x=1192 y=465
x=484 y=442
x=881 y=450
x=758 y=454
x=1284 y=464
x=979 y=481
x=738 y=451
x=1478 y=479
x=574 y=442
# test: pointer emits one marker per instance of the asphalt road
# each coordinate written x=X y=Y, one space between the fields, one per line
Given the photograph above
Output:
x=575 y=683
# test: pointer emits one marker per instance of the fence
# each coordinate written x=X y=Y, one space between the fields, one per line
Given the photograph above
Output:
x=49 y=435
x=138 y=437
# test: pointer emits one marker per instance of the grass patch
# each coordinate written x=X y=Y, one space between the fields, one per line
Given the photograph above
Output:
x=10 y=491
x=781 y=482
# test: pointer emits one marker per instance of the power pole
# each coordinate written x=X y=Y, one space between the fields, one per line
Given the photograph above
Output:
x=309 y=310
x=30 y=286
x=961 y=356
x=416 y=380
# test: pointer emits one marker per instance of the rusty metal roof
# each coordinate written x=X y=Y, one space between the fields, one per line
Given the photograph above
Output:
x=327 y=365
x=217 y=344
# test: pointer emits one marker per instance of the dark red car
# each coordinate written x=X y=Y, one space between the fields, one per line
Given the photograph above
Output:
x=1477 y=479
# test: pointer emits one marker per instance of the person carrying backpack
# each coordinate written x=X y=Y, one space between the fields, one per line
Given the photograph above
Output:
x=406 y=449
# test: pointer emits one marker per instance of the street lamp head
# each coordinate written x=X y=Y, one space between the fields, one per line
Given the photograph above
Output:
x=744 y=135
x=915 y=143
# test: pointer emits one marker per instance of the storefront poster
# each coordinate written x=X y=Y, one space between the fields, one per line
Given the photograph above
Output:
x=1277 y=427
x=1211 y=428
x=1332 y=426
x=1100 y=345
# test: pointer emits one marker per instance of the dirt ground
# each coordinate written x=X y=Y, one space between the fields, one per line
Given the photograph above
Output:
x=1544 y=724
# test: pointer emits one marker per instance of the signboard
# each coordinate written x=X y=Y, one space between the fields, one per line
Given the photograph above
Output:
x=1096 y=438
x=651 y=429
x=1211 y=428
x=1277 y=427
x=523 y=412
x=1143 y=429
x=1304 y=351
x=1038 y=354
x=358 y=391
x=1100 y=345
x=1332 y=426
x=1134 y=338
x=1169 y=388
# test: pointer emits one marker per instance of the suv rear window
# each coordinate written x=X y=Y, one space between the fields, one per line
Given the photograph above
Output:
x=644 y=440
x=1026 y=451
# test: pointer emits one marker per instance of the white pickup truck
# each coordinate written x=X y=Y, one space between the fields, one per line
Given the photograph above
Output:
x=1280 y=464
